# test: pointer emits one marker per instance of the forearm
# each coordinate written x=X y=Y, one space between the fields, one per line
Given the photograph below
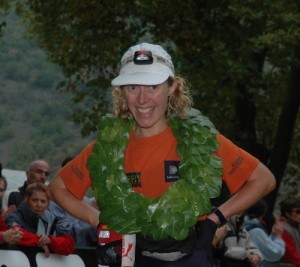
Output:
x=63 y=245
x=257 y=186
x=79 y=209
x=28 y=239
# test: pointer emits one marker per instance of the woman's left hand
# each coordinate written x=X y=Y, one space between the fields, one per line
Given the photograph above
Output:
x=44 y=240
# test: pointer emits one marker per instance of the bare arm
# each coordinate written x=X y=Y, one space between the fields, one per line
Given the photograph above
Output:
x=79 y=209
x=260 y=183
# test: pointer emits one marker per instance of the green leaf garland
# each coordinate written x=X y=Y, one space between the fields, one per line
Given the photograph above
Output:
x=174 y=212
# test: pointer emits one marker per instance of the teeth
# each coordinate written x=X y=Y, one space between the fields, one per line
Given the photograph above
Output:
x=144 y=110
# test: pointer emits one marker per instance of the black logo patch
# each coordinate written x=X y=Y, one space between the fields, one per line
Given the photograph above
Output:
x=171 y=171
x=134 y=178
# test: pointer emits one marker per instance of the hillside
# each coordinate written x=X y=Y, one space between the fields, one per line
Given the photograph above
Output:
x=35 y=118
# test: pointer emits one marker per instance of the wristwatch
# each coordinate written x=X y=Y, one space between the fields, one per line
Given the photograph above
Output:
x=221 y=217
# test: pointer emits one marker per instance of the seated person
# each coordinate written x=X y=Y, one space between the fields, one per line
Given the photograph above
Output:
x=40 y=227
x=3 y=186
x=290 y=210
x=236 y=247
x=38 y=172
x=271 y=245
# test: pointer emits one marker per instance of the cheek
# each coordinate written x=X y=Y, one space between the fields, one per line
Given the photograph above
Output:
x=44 y=208
x=163 y=99
x=129 y=100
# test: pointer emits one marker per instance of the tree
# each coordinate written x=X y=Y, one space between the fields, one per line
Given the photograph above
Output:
x=4 y=6
x=287 y=121
x=237 y=56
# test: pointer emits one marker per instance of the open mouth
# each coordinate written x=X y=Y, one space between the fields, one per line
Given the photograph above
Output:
x=145 y=110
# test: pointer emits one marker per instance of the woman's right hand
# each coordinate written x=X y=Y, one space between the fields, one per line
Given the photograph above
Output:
x=278 y=227
x=12 y=235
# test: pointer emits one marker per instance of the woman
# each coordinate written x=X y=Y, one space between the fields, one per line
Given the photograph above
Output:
x=290 y=210
x=38 y=225
x=147 y=194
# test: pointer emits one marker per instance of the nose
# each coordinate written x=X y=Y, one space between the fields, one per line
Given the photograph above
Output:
x=43 y=178
x=143 y=95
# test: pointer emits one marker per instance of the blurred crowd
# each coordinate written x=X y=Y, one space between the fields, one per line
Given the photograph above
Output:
x=30 y=218
x=247 y=240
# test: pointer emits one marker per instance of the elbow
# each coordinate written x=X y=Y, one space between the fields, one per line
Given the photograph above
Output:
x=270 y=183
x=265 y=177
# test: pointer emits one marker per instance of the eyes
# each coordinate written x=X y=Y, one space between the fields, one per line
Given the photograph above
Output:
x=38 y=200
x=135 y=89
x=39 y=171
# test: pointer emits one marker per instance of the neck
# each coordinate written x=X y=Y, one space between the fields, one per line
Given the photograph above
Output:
x=140 y=132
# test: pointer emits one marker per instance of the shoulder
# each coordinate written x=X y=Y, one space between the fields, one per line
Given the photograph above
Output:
x=14 y=194
x=15 y=197
x=253 y=223
x=14 y=218
x=287 y=236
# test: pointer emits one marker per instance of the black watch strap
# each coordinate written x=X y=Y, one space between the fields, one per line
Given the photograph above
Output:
x=221 y=217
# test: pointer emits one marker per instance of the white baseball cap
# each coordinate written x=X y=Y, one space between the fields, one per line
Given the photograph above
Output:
x=145 y=64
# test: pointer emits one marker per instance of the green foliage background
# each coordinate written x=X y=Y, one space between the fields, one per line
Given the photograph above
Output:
x=240 y=57
x=35 y=118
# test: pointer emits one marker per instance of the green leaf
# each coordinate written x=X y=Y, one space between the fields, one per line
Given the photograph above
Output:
x=174 y=212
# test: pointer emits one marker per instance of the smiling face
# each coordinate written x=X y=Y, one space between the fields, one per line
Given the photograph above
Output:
x=148 y=104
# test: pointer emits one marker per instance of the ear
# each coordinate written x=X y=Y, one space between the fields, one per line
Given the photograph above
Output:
x=173 y=87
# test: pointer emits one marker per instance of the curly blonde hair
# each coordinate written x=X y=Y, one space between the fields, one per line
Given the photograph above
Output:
x=179 y=102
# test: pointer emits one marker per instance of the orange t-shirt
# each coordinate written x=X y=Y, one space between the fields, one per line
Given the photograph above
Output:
x=151 y=165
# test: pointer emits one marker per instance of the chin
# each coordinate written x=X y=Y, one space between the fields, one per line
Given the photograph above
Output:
x=146 y=125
